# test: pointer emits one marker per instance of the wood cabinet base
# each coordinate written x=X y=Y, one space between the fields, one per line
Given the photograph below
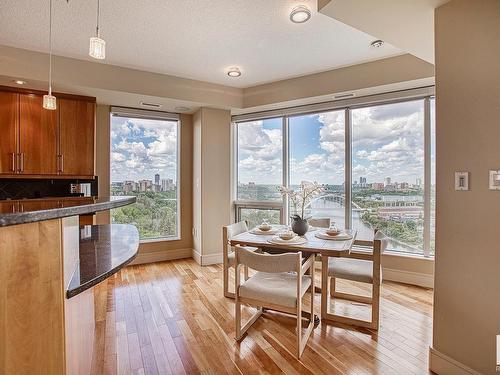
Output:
x=42 y=332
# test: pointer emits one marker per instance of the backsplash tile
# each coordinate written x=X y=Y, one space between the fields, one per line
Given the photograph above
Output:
x=24 y=188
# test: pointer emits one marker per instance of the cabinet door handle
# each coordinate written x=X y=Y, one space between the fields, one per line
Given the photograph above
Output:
x=13 y=167
x=21 y=162
x=62 y=163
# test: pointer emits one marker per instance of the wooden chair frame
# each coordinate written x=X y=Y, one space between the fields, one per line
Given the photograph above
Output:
x=302 y=268
x=374 y=300
x=225 y=262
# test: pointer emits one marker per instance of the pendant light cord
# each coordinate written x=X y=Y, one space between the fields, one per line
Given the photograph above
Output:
x=98 y=11
x=50 y=47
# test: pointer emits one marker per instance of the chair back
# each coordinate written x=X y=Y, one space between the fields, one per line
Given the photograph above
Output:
x=384 y=240
x=230 y=231
x=270 y=263
x=320 y=222
x=236 y=228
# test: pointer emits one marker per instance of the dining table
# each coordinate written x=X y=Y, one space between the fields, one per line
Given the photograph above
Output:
x=330 y=247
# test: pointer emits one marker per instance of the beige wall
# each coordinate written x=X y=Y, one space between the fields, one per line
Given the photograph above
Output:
x=212 y=198
x=151 y=251
x=467 y=279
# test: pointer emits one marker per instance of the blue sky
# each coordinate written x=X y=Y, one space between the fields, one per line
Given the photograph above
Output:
x=141 y=148
x=387 y=142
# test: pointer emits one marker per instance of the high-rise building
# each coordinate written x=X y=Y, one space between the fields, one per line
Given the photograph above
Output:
x=167 y=184
x=157 y=179
x=418 y=182
x=387 y=181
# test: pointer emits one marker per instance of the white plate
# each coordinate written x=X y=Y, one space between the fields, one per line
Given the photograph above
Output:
x=270 y=231
x=294 y=241
x=340 y=237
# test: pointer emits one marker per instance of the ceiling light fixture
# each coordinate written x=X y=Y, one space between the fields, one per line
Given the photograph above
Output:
x=234 y=72
x=97 y=47
x=377 y=43
x=19 y=82
x=50 y=101
x=300 y=14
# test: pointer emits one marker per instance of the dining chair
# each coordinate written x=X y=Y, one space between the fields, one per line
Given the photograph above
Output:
x=229 y=257
x=319 y=222
x=361 y=265
x=279 y=284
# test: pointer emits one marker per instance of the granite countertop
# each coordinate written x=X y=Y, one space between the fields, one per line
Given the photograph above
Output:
x=13 y=212
x=104 y=250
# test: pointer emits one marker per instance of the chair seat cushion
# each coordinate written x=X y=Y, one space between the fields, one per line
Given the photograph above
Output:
x=351 y=269
x=274 y=288
x=231 y=257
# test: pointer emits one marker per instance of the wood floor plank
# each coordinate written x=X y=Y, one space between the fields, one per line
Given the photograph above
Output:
x=172 y=318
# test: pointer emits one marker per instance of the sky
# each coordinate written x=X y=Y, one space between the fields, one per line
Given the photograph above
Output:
x=141 y=148
x=388 y=141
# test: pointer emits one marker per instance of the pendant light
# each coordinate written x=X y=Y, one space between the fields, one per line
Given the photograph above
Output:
x=97 y=47
x=49 y=101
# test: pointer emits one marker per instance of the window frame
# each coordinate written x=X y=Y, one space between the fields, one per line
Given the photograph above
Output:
x=424 y=93
x=160 y=116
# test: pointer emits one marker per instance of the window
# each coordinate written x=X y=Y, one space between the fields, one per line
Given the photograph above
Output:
x=317 y=153
x=432 y=244
x=260 y=154
x=388 y=173
x=144 y=163
x=376 y=162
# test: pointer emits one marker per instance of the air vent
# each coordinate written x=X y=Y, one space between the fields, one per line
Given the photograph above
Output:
x=150 y=105
x=344 y=96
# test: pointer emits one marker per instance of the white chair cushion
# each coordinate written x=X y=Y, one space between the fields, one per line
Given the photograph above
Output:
x=275 y=288
x=351 y=269
x=231 y=257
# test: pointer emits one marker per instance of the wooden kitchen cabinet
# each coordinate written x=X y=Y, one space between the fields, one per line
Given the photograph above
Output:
x=76 y=137
x=9 y=116
x=37 y=137
x=39 y=143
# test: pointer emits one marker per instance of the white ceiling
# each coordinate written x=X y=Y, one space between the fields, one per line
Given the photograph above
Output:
x=196 y=39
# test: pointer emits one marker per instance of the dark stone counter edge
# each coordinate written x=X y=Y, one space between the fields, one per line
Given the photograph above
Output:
x=74 y=292
x=57 y=213
x=89 y=284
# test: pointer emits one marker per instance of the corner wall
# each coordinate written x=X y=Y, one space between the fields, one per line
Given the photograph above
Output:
x=212 y=181
x=467 y=277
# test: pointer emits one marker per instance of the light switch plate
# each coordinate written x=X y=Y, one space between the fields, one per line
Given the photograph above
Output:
x=461 y=181
x=494 y=180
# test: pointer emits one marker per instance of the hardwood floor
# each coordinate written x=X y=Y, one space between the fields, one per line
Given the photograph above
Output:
x=172 y=318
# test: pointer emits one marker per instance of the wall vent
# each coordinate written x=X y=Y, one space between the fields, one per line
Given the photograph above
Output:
x=344 y=96
x=150 y=105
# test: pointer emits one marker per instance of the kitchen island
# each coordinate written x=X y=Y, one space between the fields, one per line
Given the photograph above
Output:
x=49 y=265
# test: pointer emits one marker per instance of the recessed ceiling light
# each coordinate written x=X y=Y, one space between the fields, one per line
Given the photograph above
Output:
x=300 y=14
x=377 y=43
x=182 y=109
x=19 y=82
x=234 y=72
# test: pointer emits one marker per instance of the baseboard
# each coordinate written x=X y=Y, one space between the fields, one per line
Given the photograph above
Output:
x=441 y=364
x=206 y=260
x=408 y=277
x=159 y=256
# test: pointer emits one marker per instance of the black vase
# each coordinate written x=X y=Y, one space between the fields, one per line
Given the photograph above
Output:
x=299 y=226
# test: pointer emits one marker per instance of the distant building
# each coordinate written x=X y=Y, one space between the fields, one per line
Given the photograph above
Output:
x=418 y=182
x=387 y=181
x=377 y=186
x=157 y=179
x=167 y=184
x=145 y=185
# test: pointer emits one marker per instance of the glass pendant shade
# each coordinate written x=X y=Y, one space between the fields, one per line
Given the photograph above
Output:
x=49 y=102
x=97 y=48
